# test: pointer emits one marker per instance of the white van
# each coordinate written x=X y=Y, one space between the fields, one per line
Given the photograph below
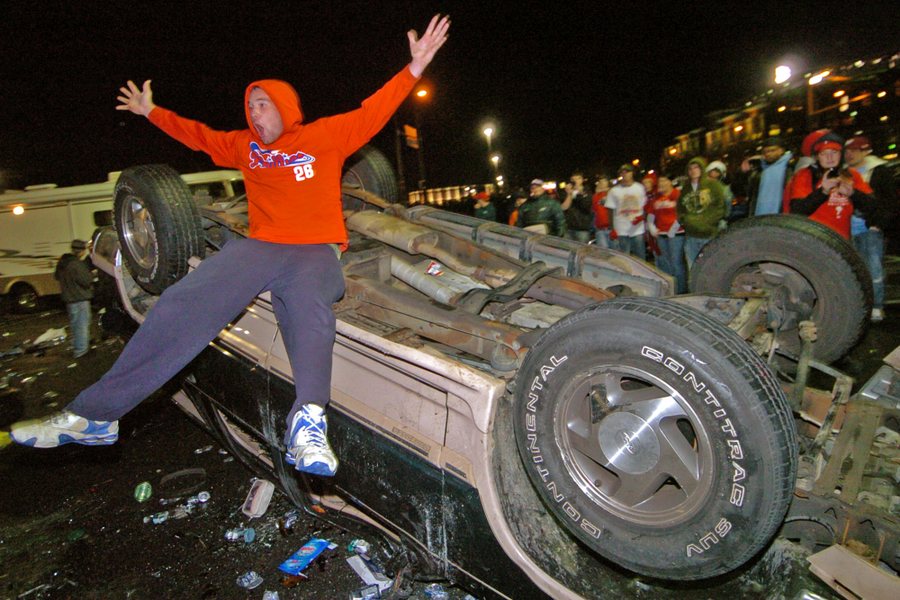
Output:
x=38 y=224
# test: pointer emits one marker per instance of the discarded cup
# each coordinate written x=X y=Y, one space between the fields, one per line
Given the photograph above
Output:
x=249 y=580
x=143 y=491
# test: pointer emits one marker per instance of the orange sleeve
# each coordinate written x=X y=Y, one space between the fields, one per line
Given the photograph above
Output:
x=352 y=130
x=195 y=135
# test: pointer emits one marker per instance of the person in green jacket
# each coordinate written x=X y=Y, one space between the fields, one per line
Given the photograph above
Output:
x=541 y=210
x=700 y=208
x=484 y=208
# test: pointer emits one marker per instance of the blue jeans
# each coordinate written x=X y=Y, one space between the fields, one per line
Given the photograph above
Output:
x=633 y=245
x=304 y=280
x=692 y=247
x=80 y=319
x=870 y=245
x=671 y=260
x=602 y=239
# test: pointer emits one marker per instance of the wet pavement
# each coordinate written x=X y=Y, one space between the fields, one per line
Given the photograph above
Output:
x=70 y=526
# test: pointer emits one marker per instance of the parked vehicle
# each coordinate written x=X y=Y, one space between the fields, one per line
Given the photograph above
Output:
x=523 y=414
x=38 y=224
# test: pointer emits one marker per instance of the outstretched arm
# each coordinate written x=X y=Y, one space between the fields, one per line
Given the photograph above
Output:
x=424 y=48
x=140 y=102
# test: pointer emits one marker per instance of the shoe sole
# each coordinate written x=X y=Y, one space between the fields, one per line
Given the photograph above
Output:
x=66 y=439
x=317 y=468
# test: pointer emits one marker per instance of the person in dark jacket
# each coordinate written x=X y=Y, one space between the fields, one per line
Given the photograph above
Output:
x=577 y=207
x=541 y=213
x=700 y=208
x=76 y=281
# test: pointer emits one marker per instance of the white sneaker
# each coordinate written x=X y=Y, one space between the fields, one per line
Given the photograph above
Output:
x=877 y=315
x=64 y=428
x=309 y=451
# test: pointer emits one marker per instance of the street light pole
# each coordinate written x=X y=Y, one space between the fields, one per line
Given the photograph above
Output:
x=421 y=95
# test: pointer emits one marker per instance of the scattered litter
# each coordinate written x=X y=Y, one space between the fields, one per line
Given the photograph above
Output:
x=293 y=580
x=13 y=352
x=302 y=557
x=50 y=336
x=269 y=595
x=370 y=592
x=72 y=366
x=287 y=522
x=359 y=546
x=237 y=535
x=143 y=491
x=75 y=535
x=258 y=498
x=203 y=449
x=228 y=459
x=50 y=394
x=223 y=451
x=371 y=574
x=435 y=591
x=184 y=482
x=39 y=588
x=249 y=580
x=5 y=440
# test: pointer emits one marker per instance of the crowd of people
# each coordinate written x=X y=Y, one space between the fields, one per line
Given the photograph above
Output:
x=668 y=218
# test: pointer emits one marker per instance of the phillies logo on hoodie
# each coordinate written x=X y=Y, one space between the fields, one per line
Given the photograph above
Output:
x=267 y=159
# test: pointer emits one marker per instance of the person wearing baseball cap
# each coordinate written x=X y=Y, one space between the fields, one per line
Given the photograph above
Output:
x=484 y=208
x=541 y=213
x=868 y=234
x=826 y=193
x=776 y=172
x=76 y=282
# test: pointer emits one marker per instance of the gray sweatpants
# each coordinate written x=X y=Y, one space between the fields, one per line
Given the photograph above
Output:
x=304 y=281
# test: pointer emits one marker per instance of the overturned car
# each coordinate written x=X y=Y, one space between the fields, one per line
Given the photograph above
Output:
x=526 y=415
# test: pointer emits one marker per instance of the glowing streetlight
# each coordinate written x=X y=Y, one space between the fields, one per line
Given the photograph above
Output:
x=819 y=78
x=18 y=210
x=495 y=159
x=782 y=73
x=422 y=93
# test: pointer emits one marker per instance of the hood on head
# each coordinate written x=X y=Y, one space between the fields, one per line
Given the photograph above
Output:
x=699 y=160
x=286 y=100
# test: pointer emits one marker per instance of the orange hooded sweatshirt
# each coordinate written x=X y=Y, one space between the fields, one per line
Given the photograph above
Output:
x=294 y=184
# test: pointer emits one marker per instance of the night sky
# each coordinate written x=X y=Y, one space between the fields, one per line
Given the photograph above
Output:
x=567 y=87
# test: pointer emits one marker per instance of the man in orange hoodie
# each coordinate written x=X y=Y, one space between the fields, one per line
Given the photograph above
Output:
x=292 y=173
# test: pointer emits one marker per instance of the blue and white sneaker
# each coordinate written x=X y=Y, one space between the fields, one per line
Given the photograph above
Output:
x=64 y=428
x=308 y=450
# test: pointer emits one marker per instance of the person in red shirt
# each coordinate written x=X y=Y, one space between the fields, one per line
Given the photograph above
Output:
x=601 y=215
x=663 y=225
x=292 y=173
x=824 y=191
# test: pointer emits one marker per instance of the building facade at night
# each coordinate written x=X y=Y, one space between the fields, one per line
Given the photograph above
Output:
x=861 y=98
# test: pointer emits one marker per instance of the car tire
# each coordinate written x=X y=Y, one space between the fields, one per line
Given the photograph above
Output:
x=24 y=298
x=370 y=171
x=761 y=252
x=158 y=225
x=657 y=437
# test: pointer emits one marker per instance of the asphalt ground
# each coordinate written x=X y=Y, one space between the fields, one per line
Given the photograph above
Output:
x=70 y=526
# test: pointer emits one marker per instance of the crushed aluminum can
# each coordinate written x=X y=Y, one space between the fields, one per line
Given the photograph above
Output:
x=370 y=592
x=435 y=591
x=249 y=580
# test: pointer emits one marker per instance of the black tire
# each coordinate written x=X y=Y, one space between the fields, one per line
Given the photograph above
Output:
x=805 y=258
x=158 y=225
x=369 y=171
x=24 y=298
x=701 y=438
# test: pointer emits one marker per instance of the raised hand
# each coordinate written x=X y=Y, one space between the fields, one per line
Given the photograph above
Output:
x=140 y=102
x=424 y=48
